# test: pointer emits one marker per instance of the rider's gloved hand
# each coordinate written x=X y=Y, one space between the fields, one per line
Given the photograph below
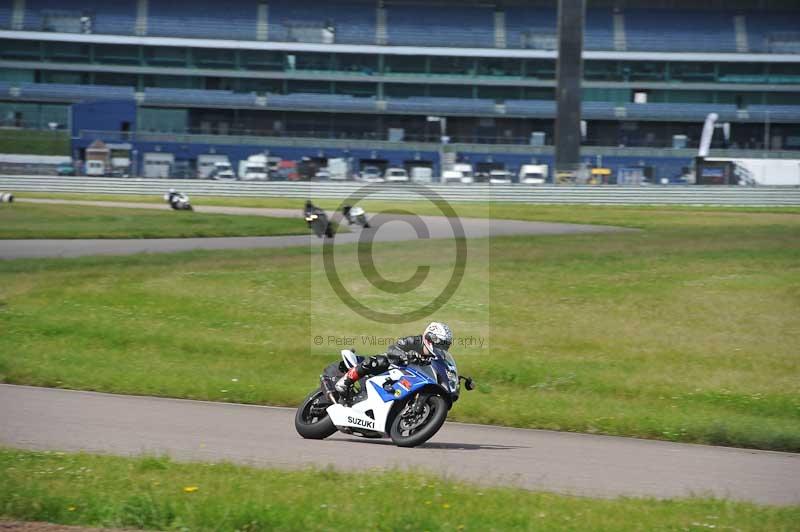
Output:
x=415 y=358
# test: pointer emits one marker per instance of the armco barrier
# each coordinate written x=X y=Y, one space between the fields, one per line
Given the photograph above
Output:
x=607 y=195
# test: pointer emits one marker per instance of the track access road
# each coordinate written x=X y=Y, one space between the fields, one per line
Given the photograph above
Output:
x=386 y=227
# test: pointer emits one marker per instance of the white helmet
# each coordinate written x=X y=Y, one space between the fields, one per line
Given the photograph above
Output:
x=172 y=191
x=437 y=335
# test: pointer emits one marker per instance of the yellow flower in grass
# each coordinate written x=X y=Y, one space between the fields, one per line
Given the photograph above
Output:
x=190 y=489
x=71 y=509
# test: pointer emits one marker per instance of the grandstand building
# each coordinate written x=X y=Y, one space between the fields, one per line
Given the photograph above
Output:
x=361 y=78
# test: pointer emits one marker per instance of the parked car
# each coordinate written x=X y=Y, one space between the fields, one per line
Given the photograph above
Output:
x=499 y=177
x=371 y=174
x=396 y=175
x=65 y=169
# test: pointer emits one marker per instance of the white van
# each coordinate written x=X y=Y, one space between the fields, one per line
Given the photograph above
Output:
x=254 y=168
x=206 y=164
x=396 y=175
x=222 y=170
x=533 y=174
x=460 y=173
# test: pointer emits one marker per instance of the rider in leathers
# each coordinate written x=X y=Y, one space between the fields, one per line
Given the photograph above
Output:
x=173 y=196
x=411 y=349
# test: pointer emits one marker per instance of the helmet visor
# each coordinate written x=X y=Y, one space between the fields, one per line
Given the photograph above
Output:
x=440 y=347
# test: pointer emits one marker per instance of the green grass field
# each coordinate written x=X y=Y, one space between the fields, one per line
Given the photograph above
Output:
x=685 y=331
x=21 y=141
x=27 y=220
x=157 y=494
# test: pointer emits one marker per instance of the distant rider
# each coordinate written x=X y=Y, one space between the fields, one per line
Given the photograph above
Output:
x=173 y=196
x=405 y=351
x=310 y=209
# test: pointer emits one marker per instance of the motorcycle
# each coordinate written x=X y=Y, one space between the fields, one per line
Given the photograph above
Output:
x=318 y=222
x=355 y=215
x=178 y=201
x=408 y=403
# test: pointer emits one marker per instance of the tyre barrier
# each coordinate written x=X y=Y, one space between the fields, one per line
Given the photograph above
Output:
x=6 y=197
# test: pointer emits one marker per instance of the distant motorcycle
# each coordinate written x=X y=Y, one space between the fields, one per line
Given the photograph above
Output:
x=317 y=221
x=355 y=215
x=178 y=201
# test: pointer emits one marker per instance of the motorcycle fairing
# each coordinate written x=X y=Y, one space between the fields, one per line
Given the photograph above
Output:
x=350 y=359
x=406 y=381
x=355 y=417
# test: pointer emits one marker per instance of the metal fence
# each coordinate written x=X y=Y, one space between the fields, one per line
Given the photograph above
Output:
x=600 y=195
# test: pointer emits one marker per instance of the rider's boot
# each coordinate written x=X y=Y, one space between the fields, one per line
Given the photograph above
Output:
x=344 y=384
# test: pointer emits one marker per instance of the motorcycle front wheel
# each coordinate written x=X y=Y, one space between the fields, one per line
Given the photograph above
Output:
x=311 y=420
x=410 y=429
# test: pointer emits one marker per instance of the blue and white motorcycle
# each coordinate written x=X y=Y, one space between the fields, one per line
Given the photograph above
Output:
x=408 y=403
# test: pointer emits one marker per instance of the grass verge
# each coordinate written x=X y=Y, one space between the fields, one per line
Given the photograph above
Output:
x=31 y=221
x=686 y=331
x=636 y=216
x=158 y=494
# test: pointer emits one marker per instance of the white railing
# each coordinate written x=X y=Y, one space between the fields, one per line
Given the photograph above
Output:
x=612 y=194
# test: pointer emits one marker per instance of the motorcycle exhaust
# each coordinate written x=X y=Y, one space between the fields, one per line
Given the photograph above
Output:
x=328 y=389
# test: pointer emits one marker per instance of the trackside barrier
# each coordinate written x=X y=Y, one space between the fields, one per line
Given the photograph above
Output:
x=599 y=195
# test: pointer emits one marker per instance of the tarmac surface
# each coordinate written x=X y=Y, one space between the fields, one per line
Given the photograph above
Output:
x=386 y=228
x=580 y=464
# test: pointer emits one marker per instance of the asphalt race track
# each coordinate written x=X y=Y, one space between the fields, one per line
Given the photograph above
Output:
x=581 y=464
x=389 y=228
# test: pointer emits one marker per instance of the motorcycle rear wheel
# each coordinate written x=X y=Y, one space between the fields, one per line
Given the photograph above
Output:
x=309 y=424
x=406 y=431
